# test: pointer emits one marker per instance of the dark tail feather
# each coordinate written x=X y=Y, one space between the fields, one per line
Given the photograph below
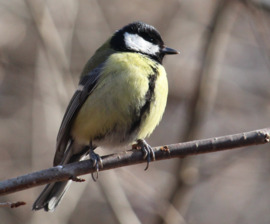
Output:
x=51 y=196
x=54 y=192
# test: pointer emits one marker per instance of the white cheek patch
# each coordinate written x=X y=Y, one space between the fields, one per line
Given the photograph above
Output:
x=137 y=43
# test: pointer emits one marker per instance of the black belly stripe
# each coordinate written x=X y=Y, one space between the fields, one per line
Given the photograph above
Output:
x=149 y=97
x=145 y=109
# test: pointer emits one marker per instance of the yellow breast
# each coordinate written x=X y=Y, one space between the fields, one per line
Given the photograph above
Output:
x=113 y=111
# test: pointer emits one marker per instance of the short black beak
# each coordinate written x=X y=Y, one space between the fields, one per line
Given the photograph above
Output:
x=167 y=50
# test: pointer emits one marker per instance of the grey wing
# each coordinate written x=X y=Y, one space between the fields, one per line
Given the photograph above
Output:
x=86 y=86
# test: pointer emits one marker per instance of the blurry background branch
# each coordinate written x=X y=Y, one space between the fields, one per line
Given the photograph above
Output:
x=131 y=157
x=214 y=43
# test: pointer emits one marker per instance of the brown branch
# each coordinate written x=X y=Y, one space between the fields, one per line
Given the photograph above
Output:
x=131 y=157
x=12 y=204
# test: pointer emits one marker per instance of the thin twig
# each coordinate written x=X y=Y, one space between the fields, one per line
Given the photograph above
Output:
x=131 y=157
x=12 y=204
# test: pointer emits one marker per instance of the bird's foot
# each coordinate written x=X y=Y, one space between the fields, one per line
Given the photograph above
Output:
x=147 y=150
x=97 y=163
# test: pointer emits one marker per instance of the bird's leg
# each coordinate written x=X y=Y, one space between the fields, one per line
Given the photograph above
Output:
x=96 y=159
x=147 y=150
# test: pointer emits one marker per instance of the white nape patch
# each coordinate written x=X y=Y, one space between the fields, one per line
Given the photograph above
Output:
x=137 y=43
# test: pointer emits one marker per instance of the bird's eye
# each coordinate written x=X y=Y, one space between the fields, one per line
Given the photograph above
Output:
x=150 y=39
x=147 y=37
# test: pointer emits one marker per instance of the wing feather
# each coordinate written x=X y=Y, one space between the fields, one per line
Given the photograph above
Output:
x=86 y=86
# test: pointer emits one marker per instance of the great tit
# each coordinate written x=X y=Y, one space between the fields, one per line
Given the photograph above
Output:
x=120 y=99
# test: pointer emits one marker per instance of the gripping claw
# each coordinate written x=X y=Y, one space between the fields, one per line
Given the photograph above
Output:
x=97 y=163
x=147 y=150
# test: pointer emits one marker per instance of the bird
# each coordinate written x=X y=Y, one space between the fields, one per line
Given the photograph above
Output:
x=120 y=99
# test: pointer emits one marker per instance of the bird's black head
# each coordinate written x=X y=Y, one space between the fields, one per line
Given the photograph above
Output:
x=142 y=38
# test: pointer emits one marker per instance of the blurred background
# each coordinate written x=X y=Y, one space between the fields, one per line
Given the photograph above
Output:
x=219 y=85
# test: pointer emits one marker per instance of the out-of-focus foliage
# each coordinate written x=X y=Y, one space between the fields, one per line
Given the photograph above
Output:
x=224 y=45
